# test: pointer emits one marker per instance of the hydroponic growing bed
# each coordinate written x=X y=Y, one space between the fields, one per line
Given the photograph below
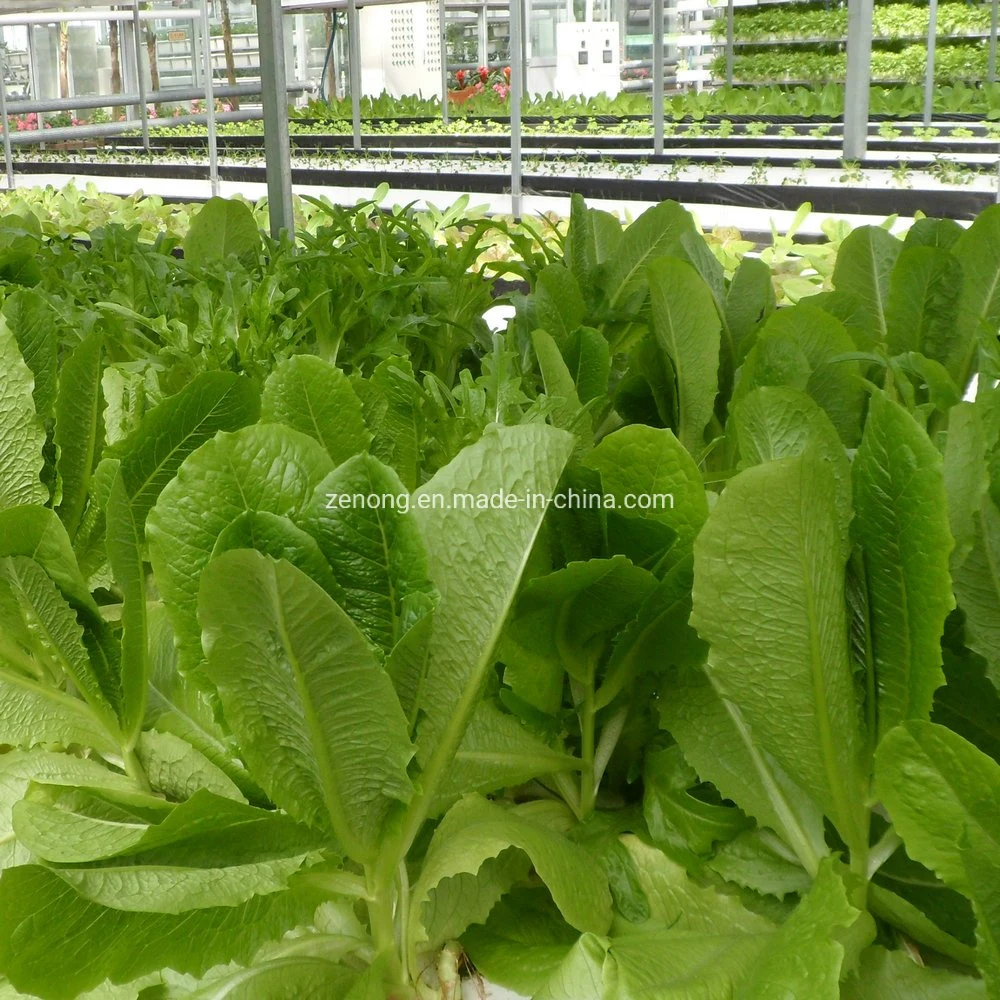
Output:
x=646 y=648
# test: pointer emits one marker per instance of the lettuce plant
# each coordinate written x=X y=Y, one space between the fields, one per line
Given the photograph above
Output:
x=263 y=741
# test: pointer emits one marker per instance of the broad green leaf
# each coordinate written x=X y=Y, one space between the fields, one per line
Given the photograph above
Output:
x=33 y=713
x=658 y=638
x=303 y=977
x=496 y=752
x=124 y=545
x=911 y=920
x=580 y=976
x=593 y=238
x=475 y=558
x=775 y=422
x=721 y=747
x=175 y=889
x=360 y=516
x=79 y=431
x=637 y=462
x=57 y=639
x=316 y=398
x=260 y=468
x=901 y=524
x=678 y=902
x=22 y=436
x=966 y=476
x=575 y=609
x=934 y=784
x=805 y=958
x=749 y=302
x=933 y=233
x=895 y=975
x=663 y=962
x=686 y=324
x=475 y=830
x=31 y=318
x=407 y=663
x=822 y=340
x=167 y=434
x=754 y=860
x=522 y=942
x=983 y=878
x=559 y=385
x=923 y=297
x=557 y=305
x=977 y=588
x=56 y=944
x=207 y=832
x=222 y=227
x=18 y=769
x=176 y=769
x=391 y=406
x=656 y=233
x=459 y=901
x=277 y=537
x=317 y=718
x=588 y=358
x=978 y=251
x=181 y=709
x=769 y=599
x=678 y=819
x=865 y=261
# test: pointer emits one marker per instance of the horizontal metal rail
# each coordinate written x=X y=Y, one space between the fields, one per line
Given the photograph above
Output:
x=72 y=133
x=130 y=100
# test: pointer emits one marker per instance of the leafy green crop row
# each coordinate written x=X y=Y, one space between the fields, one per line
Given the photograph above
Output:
x=297 y=703
x=894 y=20
x=961 y=61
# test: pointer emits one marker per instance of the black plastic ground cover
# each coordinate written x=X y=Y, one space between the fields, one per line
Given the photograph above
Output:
x=596 y=142
x=839 y=200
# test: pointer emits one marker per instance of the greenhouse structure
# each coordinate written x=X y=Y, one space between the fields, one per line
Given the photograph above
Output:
x=499 y=500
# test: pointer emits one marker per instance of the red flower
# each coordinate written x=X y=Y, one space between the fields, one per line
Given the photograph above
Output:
x=506 y=73
x=460 y=76
x=484 y=74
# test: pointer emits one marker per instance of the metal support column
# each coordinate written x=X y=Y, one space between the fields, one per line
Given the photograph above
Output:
x=857 y=91
x=442 y=26
x=7 y=155
x=140 y=76
x=516 y=93
x=991 y=72
x=483 y=46
x=730 y=41
x=213 y=143
x=931 y=54
x=354 y=59
x=656 y=12
x=277 y=145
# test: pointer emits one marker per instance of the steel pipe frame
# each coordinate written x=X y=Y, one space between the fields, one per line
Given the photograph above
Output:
x=857 y=90
x=354 y=66
x=277 y=143
x=656 y=12
x=991 y=72
x=111 y=129
x=443 y=36
x=213 y=139
x=931 y=54
x=8 y=155
x=155 y=97
x=516 y=93
x=139 y=76
x=58 y=17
